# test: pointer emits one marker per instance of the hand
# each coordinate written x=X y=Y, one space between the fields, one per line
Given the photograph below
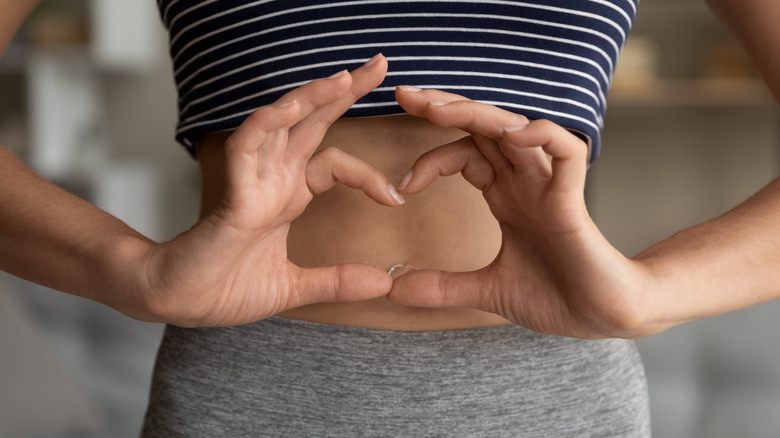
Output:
x=555 y=273
x=232 y=268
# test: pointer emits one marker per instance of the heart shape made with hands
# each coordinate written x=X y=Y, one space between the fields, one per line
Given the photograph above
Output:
x=543 y=276
x=505 y=157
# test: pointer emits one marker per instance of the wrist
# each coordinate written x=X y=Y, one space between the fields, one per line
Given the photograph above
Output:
x=649 y=292
x=125 y=284
x=666 y=297
x=616 y=296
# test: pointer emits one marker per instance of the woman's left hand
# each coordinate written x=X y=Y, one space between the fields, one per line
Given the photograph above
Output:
x=555 y=272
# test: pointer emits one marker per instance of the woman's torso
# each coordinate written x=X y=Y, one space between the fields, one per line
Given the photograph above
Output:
x=446 y=227
x=541 y=58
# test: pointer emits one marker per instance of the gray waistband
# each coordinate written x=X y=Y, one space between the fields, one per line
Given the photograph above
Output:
x=281 y=377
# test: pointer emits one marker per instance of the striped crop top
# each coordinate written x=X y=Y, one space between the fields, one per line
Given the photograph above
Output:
x=549 y=59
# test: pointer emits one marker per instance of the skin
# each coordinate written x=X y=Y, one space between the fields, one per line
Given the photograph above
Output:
x=555 y=272
x=231 y=267
x=342 y=225
x=528 y=253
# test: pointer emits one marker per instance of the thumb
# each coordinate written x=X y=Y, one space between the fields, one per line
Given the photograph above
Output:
x=345 y=282
x=432 y=288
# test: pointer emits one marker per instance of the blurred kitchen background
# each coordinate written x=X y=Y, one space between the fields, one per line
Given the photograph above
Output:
x=87 y=99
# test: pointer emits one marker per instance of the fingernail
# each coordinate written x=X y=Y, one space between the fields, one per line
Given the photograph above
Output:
x=400 y=269
x=438 y=103
x=394 y=193
x=409 y=88
x=373 y=60
x=339 y=74
x=405 y=181
x=514 y=128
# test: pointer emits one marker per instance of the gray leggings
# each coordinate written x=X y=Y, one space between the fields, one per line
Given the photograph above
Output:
x=286 y=378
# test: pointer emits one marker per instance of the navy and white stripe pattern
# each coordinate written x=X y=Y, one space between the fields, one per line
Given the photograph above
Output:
x=548 y=59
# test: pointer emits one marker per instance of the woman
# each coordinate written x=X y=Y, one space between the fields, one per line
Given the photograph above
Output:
x=373 y=362
x=376 y=365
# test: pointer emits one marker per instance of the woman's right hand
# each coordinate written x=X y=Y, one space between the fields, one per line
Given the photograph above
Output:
x=555 y=273
x=232 y=268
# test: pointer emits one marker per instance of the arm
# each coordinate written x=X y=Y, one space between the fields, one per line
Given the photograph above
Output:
x=14 y=13
x=555 y=272
x=230 y=268
x=726 y=264
x=41 y=225
x=732 y=261
x=754 y=24
x=56 y=239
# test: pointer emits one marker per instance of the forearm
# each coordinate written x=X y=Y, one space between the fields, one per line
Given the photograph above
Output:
x=726 y=264
x=53 y=238
x=754 y=24
x=732 y=261
x=14 y=13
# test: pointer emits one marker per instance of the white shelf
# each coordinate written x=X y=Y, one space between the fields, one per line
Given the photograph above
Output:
x=692 y=93
x=64 y=83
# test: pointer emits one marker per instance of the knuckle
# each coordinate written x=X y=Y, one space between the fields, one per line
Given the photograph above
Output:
x=522 y=120
x=375 y=175
x=545 y=124
x=472 y=118
x=231 y=144
x=429 y=161
x=580 y=151
x=332 y=154
x=432 y=112
x=327 y=118
x=259 y=116
x=235 y=146
x=331 y=282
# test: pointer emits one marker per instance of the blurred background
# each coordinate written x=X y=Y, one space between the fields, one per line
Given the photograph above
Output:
x=87 y=99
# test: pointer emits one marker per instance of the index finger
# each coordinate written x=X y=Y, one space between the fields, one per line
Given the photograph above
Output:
x=453 y=110
x=307 y=135
x=308 y=98
x=459 y=156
